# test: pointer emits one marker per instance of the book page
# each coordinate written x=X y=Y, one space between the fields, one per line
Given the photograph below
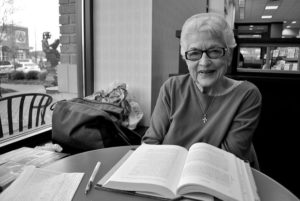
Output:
x=105 y=178
x=35 y=184
x=151 y=168
x=210 y=170
x=11 y=163
x=31 y=156
x=248 y=186
x=9 y=172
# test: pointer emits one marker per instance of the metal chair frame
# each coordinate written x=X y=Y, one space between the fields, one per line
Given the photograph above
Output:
x=38 y=102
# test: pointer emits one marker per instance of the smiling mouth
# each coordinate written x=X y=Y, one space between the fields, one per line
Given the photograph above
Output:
x=206 y=71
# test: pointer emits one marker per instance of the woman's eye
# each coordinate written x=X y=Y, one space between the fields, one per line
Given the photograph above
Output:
x=194 y=53
x=215 y=52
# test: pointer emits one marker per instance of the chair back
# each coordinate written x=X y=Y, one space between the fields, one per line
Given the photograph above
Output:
x=29 y=109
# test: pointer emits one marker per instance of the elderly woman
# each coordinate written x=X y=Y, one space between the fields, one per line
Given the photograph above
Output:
x=205 y=105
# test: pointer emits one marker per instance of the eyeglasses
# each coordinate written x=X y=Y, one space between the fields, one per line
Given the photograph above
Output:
x=212 y=53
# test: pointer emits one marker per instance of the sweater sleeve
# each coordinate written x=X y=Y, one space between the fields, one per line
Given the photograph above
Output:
x=160 y=119
x=239 y=137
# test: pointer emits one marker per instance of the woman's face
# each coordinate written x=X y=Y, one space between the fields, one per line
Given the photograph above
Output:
x=206 y=72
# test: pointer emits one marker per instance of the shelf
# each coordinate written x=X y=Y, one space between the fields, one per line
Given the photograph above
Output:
x=291 y=60
x=268 y=57
x=252 y=70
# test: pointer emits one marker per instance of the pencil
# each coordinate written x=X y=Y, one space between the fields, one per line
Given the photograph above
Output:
x=91 y=180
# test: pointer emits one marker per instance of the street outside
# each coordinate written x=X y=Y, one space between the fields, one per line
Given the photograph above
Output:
x=21 y=88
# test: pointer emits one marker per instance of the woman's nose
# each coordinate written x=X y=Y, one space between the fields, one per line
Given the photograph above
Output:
x=205 y=60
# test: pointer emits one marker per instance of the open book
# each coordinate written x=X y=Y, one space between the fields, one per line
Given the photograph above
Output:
x=171 y=171
x=36 y=184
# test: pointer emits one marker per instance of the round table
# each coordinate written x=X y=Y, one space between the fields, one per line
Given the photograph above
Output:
x=268 y=189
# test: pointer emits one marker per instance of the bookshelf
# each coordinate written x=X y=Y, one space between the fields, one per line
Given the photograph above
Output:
x=273 y=55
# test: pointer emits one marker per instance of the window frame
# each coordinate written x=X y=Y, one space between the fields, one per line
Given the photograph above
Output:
x=85 y=58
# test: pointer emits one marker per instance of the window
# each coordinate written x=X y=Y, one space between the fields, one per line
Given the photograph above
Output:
x=48 y=35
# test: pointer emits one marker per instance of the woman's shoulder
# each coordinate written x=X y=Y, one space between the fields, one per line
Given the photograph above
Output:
x=178 y=80
x=246 y=87
x=178 y=83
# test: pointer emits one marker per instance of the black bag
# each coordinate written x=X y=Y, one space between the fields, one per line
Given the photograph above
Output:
x=80 y=125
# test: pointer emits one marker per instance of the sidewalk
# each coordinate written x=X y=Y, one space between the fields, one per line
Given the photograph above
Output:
x=20 y=88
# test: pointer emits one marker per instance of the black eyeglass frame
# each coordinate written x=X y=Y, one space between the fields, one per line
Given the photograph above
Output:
x=224 y=50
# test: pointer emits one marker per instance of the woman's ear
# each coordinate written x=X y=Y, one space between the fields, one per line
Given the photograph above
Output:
x=229 y=56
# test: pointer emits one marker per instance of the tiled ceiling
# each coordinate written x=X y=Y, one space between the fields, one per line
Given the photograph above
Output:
x=288 y=10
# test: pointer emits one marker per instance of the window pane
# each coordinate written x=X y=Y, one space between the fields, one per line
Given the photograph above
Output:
x=37 y=51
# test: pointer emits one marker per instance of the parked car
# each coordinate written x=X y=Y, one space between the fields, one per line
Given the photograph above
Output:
x=6 y=67
x=27 y=66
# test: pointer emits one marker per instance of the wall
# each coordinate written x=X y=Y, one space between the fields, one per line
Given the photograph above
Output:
x=276 y=30
x=122 y=44
x=168 y=16
x=67 y=69
x=135 y=43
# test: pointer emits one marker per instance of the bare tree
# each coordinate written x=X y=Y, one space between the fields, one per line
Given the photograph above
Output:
x=6 y=11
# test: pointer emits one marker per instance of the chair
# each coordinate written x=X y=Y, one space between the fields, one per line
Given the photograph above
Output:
x=28 y=108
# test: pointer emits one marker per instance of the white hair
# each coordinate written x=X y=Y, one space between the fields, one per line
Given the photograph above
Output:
x=213 y=23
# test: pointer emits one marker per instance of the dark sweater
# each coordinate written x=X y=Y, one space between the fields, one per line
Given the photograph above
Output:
x=232 y=117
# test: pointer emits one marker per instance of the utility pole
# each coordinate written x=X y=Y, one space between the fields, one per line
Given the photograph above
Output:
x=35 y=51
